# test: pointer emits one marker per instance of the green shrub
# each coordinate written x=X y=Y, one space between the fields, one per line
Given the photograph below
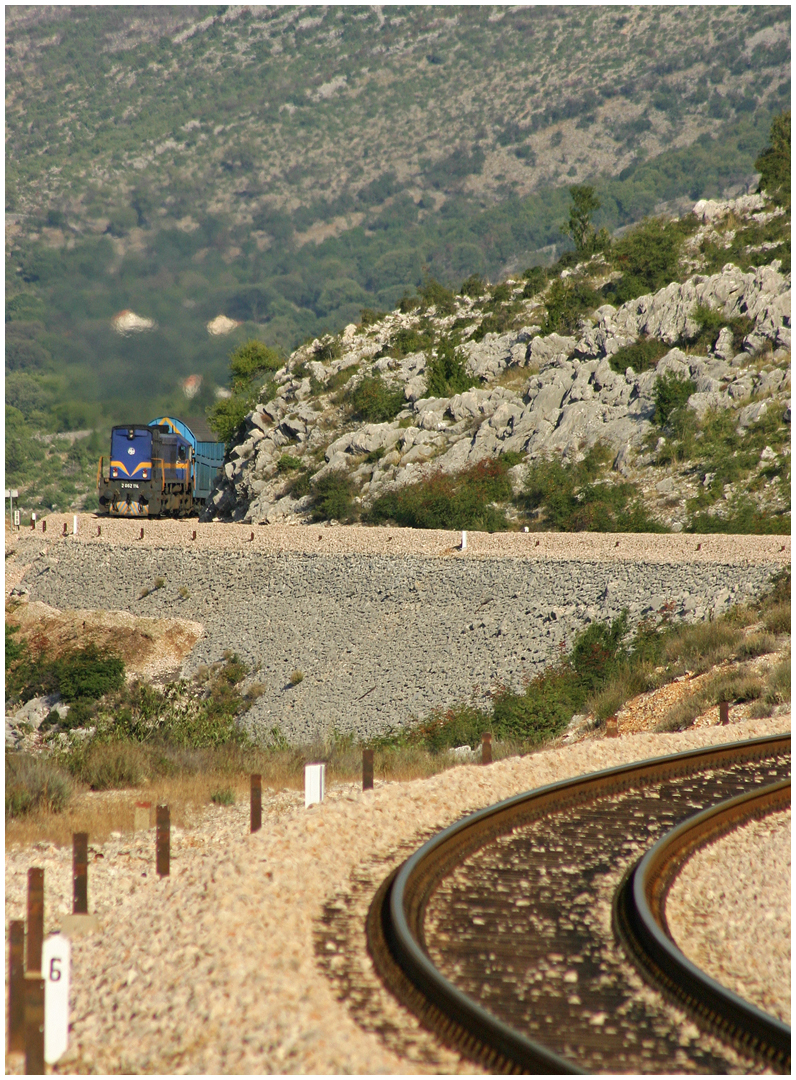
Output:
x=408 y=303
x=473 y=286
x=327 y=349
x=671 y=392
x=571 y=497
x=81 y=674
x=251 y=360
x=640 y=356
x=550 y=700
x=495 y=322
x=774 y=162
x=744 y=519
x=446 y=373
x=409 y=340
x=341 y=377
x=251 y=365
x=300 y=485
x=369 y=317
x=460 y=725
x=648 y=256
x=374 y=401
x=333 y=497
x=535 y=281
x=433 y=294
x=88 y=673
x=566 y=303
x=296 y=677
x=778 y=683
x=449 y=502
x=223 y=797
x=14 y=649
x=501 y=294
x=287 y=463
x=34 y=783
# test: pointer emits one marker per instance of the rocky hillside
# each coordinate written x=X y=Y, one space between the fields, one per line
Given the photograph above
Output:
x=678 y=399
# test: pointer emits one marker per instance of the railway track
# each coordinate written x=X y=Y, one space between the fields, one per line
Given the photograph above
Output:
x=531 y=936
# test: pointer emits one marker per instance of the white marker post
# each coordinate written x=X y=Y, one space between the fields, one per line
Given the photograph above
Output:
x=313 y=783
x=55 y=963
x=74 y=525
x=464 y=541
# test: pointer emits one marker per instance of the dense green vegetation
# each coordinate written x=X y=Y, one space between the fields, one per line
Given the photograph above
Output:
x=579 y=497
x=251 y=367
x=463 y=501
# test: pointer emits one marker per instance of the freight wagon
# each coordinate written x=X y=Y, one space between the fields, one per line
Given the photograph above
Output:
x=157 y=469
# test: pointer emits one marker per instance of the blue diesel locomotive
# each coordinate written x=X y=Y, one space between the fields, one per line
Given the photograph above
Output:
x=157 y=469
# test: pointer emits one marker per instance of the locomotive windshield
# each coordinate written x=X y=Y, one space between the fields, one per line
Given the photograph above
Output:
x=131 y=452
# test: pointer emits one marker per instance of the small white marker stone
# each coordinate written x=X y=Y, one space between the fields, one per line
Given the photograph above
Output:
x=74 y=525
x=313 y=783
x=464 y=541
x=55 y=964
x=526 y=529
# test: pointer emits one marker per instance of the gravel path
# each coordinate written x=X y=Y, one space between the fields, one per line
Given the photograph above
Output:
x=389 y=540
x=729 y=912
x=217 y=968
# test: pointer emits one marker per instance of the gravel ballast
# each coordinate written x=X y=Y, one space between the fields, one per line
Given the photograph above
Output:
x=729 y=912
x=383 y=624
x=216 y=969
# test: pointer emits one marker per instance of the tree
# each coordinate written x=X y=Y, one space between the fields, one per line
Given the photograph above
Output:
x=774 y=162
x=251 y=359
x=251 y=365
x=579 y=226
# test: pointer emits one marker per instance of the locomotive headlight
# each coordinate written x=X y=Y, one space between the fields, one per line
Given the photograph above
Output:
x=114 y=472
x=145 y=474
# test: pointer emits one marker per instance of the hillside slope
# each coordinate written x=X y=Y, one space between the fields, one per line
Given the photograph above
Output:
x=668 y=411
x=180 y=179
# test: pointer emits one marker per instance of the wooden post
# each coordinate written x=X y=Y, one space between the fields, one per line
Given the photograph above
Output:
x=16 y=987
x=80 y=873
x=367 y=769
x=256 y=802
x=611 y=728
x=34 y=1024
x=64 y=528
x=486 y=748
x=163 y=841
x=724 y=712
x=35 y=918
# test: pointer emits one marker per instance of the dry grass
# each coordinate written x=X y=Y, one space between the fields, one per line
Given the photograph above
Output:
x=99 y=813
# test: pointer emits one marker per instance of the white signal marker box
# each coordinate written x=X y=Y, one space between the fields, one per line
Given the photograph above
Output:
x=314 y=776
x=55 y=964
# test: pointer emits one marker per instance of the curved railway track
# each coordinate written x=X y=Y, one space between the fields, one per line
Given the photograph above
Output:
x=515 y=934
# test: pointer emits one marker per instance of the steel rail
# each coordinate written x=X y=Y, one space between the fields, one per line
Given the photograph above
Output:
x=395 y=933
x=640 y=921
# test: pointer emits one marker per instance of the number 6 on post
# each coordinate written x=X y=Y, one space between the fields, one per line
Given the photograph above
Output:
x=56 y=955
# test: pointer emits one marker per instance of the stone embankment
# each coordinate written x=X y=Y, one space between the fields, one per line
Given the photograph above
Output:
x=384 y=624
